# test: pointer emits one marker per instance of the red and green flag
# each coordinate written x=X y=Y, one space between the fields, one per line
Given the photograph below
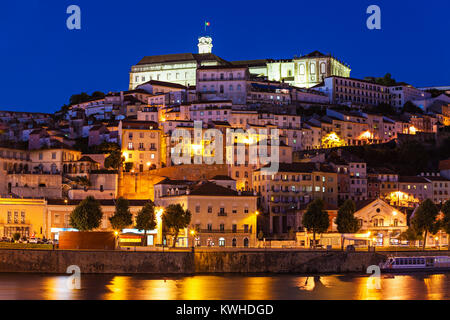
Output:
x=207 y=24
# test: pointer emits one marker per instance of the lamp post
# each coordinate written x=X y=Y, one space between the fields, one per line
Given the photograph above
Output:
x=159 y=236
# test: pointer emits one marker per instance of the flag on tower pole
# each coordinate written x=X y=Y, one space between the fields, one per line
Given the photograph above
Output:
x=207 y=24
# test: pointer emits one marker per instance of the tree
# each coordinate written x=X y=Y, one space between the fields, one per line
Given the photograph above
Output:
x=176 y=218
x=446 y=219
x=425 y=220
x=82 y=181
x=411 y=235
x=260 y=235
x=316 y=219
x=345 y=220
x=146 y=219
x=114 y=159
x=122 y=217
x=16 y=236
x=87 y=215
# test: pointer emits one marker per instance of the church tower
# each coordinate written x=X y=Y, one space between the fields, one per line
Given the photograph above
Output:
x=205 y=44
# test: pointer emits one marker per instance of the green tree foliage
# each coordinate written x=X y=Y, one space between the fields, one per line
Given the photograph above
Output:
x=87 y=215
x=82 y=181
x=176 y=218
x=446 y=219
x=425 y=220
x=114 y=160
x=16 y=236
x=146 y=219
x=122 y=217
x=411 y=235
x=345 y=220
x=316 y=219
x=129 y=166
x=84 y=97
x=387 y=80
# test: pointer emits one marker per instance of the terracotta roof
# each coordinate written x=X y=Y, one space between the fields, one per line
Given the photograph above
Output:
x=302 y=167
x=168 y=181
x=220 y=177
x=315 y=54
x=167 y=58
x=86 y=159
x=163 y=84
x=212 y=189
x=142 y=125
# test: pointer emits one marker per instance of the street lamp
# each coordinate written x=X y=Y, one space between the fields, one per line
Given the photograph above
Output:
x=193 y=239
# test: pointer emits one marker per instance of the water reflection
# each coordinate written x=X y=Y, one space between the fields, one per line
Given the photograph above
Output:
x=226 y=287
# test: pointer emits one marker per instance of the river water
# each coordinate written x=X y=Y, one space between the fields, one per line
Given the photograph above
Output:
x=226 y=287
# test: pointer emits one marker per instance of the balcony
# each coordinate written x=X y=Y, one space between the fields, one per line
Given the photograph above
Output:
x=222 y=214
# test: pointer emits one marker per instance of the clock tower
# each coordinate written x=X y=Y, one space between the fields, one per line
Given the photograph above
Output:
x=205 y=44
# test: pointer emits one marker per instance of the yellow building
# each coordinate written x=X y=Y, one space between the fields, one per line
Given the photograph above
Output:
x=141 y=144
x=23 y=216
x=291 y=188
x=221 y=217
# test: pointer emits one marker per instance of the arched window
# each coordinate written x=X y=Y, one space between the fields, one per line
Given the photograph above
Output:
x=246 y=243
x=239 y=87
x=221 y=242
x=302 y=69
x=234 y=243
x=323 y=68
x=231 y=87
x=313 y=68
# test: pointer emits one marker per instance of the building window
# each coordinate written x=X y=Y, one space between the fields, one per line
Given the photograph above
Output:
x=221 y=242
x=22 y=217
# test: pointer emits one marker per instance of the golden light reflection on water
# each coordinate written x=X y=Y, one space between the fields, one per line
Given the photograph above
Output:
x=435 y=285
x=118 y=288
x=56 y=288
x=226 y=287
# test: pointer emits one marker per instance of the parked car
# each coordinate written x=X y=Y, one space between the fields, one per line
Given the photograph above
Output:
x=35 y=240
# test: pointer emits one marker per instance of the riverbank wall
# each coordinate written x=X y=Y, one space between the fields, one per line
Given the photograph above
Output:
x=200 y=262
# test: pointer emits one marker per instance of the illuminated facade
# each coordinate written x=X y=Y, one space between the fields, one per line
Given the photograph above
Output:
x=306 y=71
x=141 y=144
x=23 y=216
x=294 y=186
x=177 y=68
x=382 y=222
x=221 y=216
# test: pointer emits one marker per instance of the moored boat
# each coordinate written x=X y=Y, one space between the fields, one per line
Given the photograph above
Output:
x=416 y=264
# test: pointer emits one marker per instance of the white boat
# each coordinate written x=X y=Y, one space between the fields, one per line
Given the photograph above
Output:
x=411 y=264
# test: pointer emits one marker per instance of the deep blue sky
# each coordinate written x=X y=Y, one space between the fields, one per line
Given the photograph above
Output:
x=42 y=63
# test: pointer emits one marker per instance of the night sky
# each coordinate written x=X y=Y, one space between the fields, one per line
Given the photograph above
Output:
x=42 y=63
